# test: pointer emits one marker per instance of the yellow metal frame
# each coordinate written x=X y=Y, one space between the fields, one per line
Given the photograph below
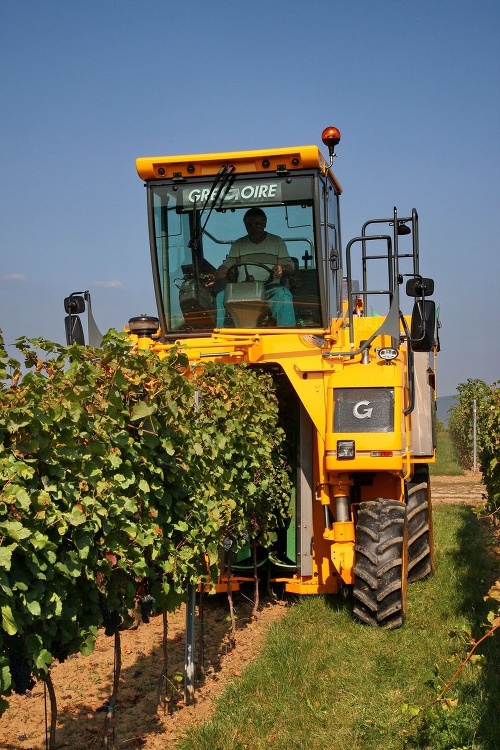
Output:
x=314 y=377
x=260 y=161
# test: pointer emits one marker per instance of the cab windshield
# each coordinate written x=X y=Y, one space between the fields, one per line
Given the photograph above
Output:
x=241 y=254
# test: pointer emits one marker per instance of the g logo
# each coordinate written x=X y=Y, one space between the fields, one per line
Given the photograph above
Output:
x=361 y=411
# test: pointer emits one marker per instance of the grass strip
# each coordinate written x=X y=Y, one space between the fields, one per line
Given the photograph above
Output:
x=446 y=462
x=326 y=682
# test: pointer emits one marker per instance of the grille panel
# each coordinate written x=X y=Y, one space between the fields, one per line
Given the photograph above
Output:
x=364 y=410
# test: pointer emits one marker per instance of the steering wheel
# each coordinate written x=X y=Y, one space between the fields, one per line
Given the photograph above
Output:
x=232 y=274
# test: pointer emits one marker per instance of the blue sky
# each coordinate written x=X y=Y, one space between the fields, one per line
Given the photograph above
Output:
x=87 y=86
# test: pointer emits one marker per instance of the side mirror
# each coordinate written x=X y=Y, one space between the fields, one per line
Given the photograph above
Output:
x=74 y=330
x=423 y=325
x=420 y=287
x=74 y=304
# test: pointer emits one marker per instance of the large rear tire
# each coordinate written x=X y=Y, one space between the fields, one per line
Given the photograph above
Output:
x=381 y=567
x=420 y=536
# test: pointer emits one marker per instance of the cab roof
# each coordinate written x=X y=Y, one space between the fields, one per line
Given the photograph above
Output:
x=261 y=161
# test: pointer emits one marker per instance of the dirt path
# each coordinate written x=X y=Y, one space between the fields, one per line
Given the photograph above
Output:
x=83 y=684
x=467 y=490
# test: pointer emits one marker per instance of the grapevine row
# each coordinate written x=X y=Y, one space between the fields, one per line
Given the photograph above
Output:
x=121 y=475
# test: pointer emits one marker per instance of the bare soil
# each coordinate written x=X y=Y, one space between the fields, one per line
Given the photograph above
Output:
x=462 y=490
x=83 y=684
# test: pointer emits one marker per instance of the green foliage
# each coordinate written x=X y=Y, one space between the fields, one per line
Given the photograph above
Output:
x=488 y=434
x=448 y=728
x=460 y=420
x=239 y=436
x=489 y=454
x=119 y=468
x=447 y=722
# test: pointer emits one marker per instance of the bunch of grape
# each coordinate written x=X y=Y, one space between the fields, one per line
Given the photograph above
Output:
x=59 y=651
x=110 y=619
x=20 y=670
x=228 y=541
x=146 y=604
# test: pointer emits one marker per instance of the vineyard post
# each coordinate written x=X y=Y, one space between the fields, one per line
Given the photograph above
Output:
x=474 y=433
x=189 y=647
x=189 y=650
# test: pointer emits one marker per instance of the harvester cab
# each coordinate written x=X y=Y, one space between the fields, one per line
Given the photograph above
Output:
x=212 y=268
x=248 y=267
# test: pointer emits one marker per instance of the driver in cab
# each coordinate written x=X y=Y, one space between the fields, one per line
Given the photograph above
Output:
x=266 y=249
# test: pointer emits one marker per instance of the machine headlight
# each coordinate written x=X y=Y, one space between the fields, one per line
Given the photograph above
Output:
x=387 y=353
x=346 y=448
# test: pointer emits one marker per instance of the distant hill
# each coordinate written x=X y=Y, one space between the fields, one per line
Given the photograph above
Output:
x=444 y=404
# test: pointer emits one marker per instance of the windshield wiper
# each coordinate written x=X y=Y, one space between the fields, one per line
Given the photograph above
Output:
x=225 y=185
x=225 y=177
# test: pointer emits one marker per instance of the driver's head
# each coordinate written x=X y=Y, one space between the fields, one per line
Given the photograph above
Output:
x=255 y=221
